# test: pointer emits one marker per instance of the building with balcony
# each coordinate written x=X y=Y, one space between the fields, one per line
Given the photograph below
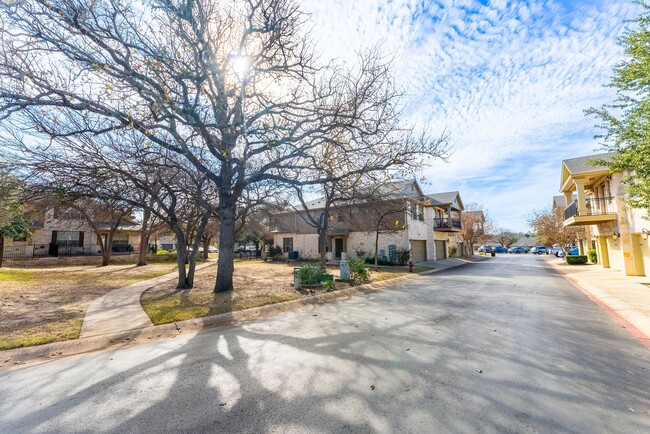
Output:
x=446 y=209
x=595 y=198
x=423 y=224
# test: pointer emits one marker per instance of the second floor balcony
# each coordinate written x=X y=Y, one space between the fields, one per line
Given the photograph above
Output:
x=446 y=224
x=595 y=210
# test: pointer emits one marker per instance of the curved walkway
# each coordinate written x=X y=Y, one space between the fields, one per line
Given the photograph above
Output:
x=120 y=309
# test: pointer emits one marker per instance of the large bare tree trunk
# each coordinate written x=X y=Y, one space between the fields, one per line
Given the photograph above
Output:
x=144 y=238
x=225 y=263
x=106 y=250
x=322 y=241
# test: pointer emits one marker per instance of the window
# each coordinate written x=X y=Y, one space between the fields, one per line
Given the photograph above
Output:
x=287 y=244
x=340 y=217
x=69 y=238
x=23 y=238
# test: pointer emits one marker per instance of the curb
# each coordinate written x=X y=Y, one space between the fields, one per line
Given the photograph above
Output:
x=46 y=352
x=610 y=304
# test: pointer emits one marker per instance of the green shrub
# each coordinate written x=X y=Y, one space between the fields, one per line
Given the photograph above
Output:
x=310 y=274
x=452 y=251
x=593 y=256
x=403 y=255
x=358 y=270
x=576 y=260
x=371 y=260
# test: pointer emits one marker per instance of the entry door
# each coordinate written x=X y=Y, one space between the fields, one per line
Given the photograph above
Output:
x=638 y=255
x=338 y=247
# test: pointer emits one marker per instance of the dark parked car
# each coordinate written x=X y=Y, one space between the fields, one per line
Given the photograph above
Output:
x=500 y=249
x=517 y=249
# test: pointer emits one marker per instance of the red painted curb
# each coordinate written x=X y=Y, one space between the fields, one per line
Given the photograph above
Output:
x=635 y=332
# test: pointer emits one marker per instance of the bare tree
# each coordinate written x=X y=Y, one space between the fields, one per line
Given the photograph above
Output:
x=476 y=227
x=232 y=87
x=549 y=228
x=506 y=237
x=382 y=207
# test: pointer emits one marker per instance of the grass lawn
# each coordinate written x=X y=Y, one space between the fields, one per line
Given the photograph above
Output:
x=256 y=284
x=41 y=305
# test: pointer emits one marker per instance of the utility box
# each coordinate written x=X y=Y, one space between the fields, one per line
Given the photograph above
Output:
x=345 y=271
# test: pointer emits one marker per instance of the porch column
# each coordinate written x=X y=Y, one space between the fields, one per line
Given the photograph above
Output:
x=603 y=253
x=568 y=196
x=449 y=224
x=582 y=204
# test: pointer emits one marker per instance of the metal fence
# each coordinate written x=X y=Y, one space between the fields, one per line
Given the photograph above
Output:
x=63 y=249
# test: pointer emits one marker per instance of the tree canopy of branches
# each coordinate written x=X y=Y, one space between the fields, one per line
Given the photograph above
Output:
x=506 y=236
x=547 y=224
x=626 y=122
x=233 y=88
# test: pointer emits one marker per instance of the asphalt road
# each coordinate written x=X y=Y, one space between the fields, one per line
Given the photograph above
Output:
x=504 y=345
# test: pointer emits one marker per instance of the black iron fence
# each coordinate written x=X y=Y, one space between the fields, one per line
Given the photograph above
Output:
x=593 y=206
x=63 y=249
x=446 y=223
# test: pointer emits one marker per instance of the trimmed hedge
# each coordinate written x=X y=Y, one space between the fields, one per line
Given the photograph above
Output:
x=576 y=260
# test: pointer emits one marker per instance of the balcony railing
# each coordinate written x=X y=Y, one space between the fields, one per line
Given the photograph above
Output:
x=446 y=223
x=593 y=206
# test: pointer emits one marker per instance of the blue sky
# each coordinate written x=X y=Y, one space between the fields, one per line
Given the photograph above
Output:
x=509 y=80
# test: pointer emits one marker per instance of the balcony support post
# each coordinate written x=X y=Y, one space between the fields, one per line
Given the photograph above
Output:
x=580 y=190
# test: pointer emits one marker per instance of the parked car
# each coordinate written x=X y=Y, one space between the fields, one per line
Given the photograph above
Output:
x=485 y=249
x=517 y=249
x=560 y=254
x=500 y=249
x=540 y=250
x=212 y=249
x=574 y=251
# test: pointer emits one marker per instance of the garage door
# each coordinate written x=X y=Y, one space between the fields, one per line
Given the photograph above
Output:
x=441 y=250
x=418 y=251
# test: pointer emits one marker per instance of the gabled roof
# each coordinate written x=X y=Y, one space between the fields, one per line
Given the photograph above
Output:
x=582 y=164
x=478 y=215
x=446 y=198
x=581 y=167
x=526 y=241
x=390 y=190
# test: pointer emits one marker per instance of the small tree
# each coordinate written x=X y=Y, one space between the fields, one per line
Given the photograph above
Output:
x=475 y=227
x=549 y=228
x=506 y=237
x=627 y=121
x=12 y=222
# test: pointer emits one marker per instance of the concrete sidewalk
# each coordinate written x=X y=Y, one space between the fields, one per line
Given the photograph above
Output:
x=626 y=297
x=119 y=310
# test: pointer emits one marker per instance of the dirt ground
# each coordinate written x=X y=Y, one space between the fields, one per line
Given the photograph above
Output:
x=40 y=305
x=256 y=284
x=47 y=304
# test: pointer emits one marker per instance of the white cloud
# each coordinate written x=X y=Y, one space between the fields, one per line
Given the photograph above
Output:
x=507 y=79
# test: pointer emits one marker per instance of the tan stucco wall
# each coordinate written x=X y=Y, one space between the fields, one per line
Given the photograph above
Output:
x=305 y=244
x=366 y=241
x=615 y=254
x=645 y=251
